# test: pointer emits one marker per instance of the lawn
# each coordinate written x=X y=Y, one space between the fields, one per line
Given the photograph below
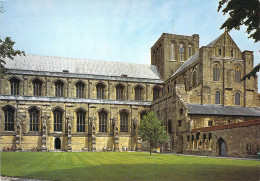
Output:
x=125 y=166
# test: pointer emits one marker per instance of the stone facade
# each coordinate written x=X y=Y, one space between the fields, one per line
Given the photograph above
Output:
x=80 y=105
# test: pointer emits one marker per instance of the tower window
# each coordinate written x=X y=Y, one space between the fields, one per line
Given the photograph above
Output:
x=237 y=74
x=215 y=73
x=189 y=51
x=217 y=97
x=232 y=54
x=219 y=51
x=237 y=98
x=181 y=52
x=172 y=51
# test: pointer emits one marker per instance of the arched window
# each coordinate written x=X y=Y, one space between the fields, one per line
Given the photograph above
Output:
x=169 y=126
x=217 y=97
x=237 y=74
x=181 y=49
x=81 y=117
x=215 y=73
x=138 y=93
x=156 y=93
x=59 y=88
x=189 y=51
x=57 y=114
x=34 y=119
x=172 y=51
x=237 y=98
x=123 y=122
x=102 y=121
x=9 y=119
x=232 y=53
x=14 y=82
x=100 y=91
x=194 y=79
x=37 y=87
x=80 y=86
x=120 y=92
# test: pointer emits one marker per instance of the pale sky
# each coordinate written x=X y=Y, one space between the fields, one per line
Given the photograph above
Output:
x=111 y=30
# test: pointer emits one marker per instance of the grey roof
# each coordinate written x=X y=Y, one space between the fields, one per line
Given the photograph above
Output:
x=213 y=42
x=206 y=109
x=82 y=66
x=187 y=63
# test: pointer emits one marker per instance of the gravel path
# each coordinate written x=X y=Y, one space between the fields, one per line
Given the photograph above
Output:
x=18 y=179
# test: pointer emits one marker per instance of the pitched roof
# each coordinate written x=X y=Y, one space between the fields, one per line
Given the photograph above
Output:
x=228 y=126
x=214 y=41
x=206 y=109
x=82 y=66
x=187 y=63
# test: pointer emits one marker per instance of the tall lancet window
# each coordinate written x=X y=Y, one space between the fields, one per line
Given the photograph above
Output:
x=189 y=51
x=181 y=52
x=172 y=51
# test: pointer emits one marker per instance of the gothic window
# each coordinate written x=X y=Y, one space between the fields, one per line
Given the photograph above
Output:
x=14 y=82
x=172 y=51
x=57 y=114
x=102 y=121
x=138 y=93
x=81 y=121
x=120 y=92
x=189 y=51
x=100 y=91
x=34 y=119
x=156 y=93
x=237 y=74
x=194 y=79
x=9 y=119
x=80 y=86
x=59 y=88
x=217 y=97
x=181 y=52
x=37 y=87
x=232 y=53
x=237 y=98
x=215 y=73
x=123 y=122
x=219 y=51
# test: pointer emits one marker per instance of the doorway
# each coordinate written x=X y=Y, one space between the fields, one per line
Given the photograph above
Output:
x=57 y=144
x=222 y=147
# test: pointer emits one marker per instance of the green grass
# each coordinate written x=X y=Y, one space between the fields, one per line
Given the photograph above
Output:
x=125 y=166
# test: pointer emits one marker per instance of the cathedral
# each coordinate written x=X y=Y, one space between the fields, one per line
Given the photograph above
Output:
x=53 y=103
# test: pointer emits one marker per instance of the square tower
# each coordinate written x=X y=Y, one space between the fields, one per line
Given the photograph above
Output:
x=171 y=50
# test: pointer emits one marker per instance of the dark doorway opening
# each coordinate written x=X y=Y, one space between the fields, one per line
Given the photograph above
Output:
x=222 y=147
x=57 y=143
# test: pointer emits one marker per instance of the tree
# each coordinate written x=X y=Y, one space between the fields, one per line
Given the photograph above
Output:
x=151 y=129
x=252 y=73
x=242 y=12
x=7 y=51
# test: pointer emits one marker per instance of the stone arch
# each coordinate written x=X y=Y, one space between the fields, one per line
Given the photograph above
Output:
x=221 y=147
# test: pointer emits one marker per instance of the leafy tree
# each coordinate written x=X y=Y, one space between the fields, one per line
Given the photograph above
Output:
x=151 y=129
x=252 y=73
x=7 y=51
x=242 y=12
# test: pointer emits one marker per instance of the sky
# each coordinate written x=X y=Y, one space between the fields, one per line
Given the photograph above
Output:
x=122 y=30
